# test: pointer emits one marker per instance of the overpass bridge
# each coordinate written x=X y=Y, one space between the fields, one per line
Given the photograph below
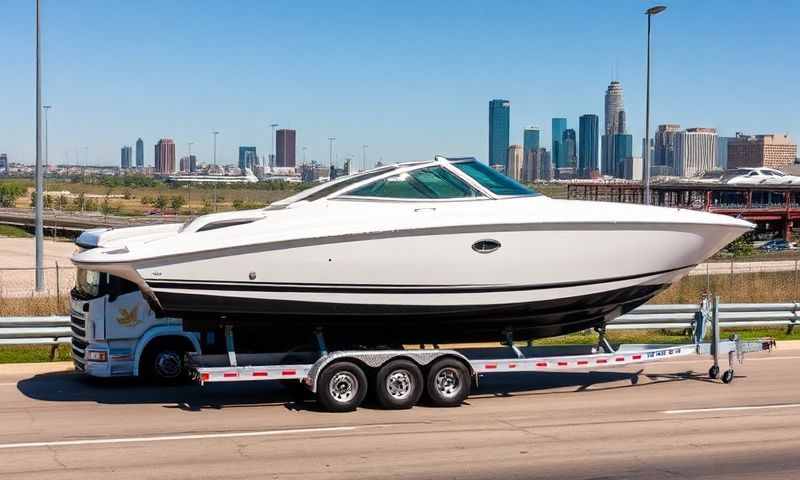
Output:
x=72 y=223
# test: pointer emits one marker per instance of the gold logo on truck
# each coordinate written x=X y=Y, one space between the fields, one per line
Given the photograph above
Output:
x=128 y=318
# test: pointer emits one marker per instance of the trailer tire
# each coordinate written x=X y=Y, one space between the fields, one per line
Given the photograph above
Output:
x=399 y=384
x=163 y=362
x=342 y=387
x=448 y=383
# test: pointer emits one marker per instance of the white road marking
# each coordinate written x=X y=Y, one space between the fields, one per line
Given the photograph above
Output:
x=169 y=438
x=734 y=409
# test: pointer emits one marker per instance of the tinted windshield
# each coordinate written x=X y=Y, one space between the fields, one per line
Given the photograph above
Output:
x=433 y=182
x=493 y=180
x=326 y=189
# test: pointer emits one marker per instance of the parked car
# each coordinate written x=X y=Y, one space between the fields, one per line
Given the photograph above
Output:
x=777 y=245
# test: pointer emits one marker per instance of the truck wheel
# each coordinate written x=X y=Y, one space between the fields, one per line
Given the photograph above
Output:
x=163 y=363
x=448 y=383
x=342 y=387
x=398 y=384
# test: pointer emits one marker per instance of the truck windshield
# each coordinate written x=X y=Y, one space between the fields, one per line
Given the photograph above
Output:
x=88 y=283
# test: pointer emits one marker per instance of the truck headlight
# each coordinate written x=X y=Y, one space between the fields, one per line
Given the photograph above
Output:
x=96 y=355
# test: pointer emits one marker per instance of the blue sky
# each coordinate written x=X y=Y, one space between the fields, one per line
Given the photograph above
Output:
x=410 y=79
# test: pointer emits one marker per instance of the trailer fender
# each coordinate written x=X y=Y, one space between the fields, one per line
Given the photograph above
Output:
x=157 y=332
x=376 y=358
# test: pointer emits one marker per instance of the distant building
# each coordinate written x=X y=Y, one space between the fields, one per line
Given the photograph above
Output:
x=185 y=164
x=588 y=137
x=530 y=143
x=664 y=144
x=768 y=150
x=285 y=148
x=139 y=153
x=3 y=164
x=559 y=158
x=614 y=124
x=661 y=171
x=695 y=151
x=125 y=157
x=570 y=149
x=722 y=153
x=632 y=168
x=499 y=131
x=248 y=158
x=543 y=165
x=622 y=147
x=165 y=156
x=514 y=162
x=193 y=167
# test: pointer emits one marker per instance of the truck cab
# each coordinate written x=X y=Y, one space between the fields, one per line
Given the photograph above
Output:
x=115 y=333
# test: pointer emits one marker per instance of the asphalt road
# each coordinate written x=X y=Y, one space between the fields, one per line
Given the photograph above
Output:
x=616 y=424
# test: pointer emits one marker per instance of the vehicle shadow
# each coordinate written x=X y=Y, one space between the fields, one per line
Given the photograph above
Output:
x=74 y=387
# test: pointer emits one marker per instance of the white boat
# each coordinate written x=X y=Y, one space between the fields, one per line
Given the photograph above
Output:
x=748 y=176
x=437 y=251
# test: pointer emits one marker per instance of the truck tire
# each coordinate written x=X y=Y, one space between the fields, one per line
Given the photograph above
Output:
x=342 y=387
x=163 y=363
x=448 y=383
x=399 y=384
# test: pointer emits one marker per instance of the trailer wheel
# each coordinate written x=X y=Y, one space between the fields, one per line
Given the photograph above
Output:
x=448 y=383
x=342 y=387
x=713 y=372
x=727 y=377
x=399 y=385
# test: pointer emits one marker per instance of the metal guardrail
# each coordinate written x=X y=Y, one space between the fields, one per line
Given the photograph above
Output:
x=56 y=329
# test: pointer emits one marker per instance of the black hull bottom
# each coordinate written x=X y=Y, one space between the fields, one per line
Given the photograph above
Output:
x=292 y=322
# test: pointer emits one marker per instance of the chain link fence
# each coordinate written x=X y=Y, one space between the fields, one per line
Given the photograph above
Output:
x=16 y=283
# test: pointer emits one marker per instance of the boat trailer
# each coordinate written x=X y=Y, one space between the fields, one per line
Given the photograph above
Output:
x=339 y=378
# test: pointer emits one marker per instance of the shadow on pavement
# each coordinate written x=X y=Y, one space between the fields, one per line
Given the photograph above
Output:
x=73 y=387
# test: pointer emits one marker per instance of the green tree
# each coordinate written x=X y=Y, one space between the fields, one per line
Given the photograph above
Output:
x=9 y=193
x=176 y=202
x=160 y=202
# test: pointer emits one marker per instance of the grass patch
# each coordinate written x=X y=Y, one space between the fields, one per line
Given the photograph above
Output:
x=34 y=306
x=758 y=287
x=33 y=353
x=13 y=232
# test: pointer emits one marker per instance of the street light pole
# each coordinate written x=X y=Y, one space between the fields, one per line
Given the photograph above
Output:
x=646 y=154
x=272 y=157
x=215 y=133
x=364 y=157
x=39 y=172
x=330 y=150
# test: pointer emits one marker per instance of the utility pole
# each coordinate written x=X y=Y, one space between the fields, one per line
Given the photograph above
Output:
x=330 y=150
x=272 y=157
x=39 y=214
x=304 y=155
x=646 y=154
x=364 y=157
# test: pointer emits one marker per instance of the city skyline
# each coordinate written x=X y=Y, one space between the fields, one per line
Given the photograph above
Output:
x=379 y=66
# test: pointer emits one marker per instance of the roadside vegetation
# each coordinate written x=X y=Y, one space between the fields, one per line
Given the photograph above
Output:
x=755 y=287
x=10 y=231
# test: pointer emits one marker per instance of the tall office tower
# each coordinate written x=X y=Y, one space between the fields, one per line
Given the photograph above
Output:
x=614 y=104
x=588 y=136
x=139 y=153
x=695 y=151
x=3 y=164
x=514 y=163
x=769 y=150
x=184 y=164
x=544 y=164
x=570 y=149
x=125 y=157
x=164 y=156
x=247 y=157
x=557 y=152
x=721 y=161
x=192 y=163
x=499 y=131
x=664 y=144
x=285 y=148
x=530 y=143
x=622 y=146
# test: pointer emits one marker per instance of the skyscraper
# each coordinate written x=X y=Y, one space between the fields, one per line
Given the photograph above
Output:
x=622 y=147
x=570 y=149
x=164 y=157
x=664 y=145
x=247 y=157
x=695 y=151
x=614 y=124
x=530 y=143
x=588 y=136
x=285 y=148
x=767 y=150
x=499 y=131
x=544 y=164
x=125 y=157
x=139 y=153
x=557 y=152
x=3 y=164
x=514 y=162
